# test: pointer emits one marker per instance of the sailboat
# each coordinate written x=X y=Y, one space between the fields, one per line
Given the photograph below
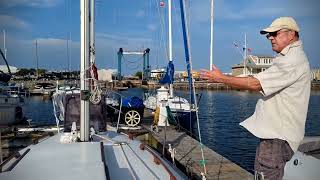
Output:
x=93 y=153
x=10 y=104
x=181 y=109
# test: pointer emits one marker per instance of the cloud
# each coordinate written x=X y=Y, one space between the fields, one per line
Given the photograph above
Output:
x=52 y=42
x=250 y=9
x=140 y=13
x=123 y=40
x=12 y=22
x=294 y=8
x=29 y=3
x=52 y=53
x=152 y=27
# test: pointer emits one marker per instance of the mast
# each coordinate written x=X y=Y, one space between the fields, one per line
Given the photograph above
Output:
x=5 y=56
x=69 y=54
x=91 y=31
x=68 y=68
x=4 y=44
x=211 y=36
x=70 y=47
x=186 y=50
x=170 y=43
x=37 y=59
x=245 y=55
x=84 y=85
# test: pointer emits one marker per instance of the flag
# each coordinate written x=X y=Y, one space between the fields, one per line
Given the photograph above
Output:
x=235 y=44
x=249 y=50
x=161 y=4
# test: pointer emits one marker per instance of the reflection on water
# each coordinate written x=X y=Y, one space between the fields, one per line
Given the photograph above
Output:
x=39 y=109
x=220 y=113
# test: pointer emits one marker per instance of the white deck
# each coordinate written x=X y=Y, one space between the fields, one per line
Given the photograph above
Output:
x=52 y=160
x=128 y=161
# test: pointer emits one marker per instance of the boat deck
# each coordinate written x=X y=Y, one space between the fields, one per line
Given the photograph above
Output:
x=51 y=160
x=110 y=155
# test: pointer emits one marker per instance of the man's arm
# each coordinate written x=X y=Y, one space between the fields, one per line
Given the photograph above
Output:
x=245 y=83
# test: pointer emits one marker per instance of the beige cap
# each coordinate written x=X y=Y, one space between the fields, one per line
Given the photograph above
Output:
x=281 y=23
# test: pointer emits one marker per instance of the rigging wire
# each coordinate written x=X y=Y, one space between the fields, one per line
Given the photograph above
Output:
x=69 y=45
x=132 y=62
x=134 y=67
x=162 y=39
x=193 y=90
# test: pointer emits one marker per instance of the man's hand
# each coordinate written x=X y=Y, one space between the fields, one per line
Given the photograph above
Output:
x=215 y=75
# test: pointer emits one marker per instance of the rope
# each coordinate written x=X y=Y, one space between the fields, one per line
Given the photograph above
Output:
x=136 y=66
x=95 y=96
x=195 y=99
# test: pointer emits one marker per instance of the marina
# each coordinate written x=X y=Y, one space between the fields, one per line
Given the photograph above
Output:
x=225 y=136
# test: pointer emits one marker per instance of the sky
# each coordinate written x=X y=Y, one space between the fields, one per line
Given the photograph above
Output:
x=135 y=25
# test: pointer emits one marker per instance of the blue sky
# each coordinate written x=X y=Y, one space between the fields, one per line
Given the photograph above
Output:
x=139 y=24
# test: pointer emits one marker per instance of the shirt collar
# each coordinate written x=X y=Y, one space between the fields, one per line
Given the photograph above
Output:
x=287 y=48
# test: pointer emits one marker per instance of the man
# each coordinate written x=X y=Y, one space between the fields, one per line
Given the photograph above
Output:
x=280 y=115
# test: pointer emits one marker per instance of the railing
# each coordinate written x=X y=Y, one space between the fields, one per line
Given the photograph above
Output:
x=16 y=90
x=109 y=93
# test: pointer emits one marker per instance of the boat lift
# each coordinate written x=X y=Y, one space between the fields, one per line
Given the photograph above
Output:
x=146 y=66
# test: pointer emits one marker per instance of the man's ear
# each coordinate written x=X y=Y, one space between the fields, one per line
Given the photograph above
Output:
x=292 y=35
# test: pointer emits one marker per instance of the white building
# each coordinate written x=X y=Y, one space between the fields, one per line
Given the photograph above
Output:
x=106 y=74
x=157 y=73
x=315 y=74
x=252 y=65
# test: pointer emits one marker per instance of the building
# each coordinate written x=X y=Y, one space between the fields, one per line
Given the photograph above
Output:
x=156 y=74
x=106 y=74
x=315 y=74
x=253 y=65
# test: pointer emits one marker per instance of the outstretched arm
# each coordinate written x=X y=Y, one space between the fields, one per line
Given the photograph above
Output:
x=245 y=83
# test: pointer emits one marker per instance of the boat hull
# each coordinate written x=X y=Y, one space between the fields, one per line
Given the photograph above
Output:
x=10 y=111
x=187 y=121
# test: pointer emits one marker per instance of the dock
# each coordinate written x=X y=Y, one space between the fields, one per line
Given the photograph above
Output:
x=188 y=153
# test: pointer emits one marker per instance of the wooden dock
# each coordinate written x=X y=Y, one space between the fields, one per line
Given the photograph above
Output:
x=188 y=153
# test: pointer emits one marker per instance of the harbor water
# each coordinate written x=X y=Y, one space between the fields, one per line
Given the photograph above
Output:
x=220 y=113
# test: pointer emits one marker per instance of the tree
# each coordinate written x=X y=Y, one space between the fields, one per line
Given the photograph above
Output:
x=23 y=72
x=139 y=74
x=42 y=71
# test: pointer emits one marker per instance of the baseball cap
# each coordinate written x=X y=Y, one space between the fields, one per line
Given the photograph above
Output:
x=281 y=23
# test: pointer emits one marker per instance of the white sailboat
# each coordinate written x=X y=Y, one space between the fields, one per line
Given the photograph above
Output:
x=179 y=106
x=10 y=104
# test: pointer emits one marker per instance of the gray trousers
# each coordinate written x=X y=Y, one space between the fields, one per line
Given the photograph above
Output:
x=271 y=157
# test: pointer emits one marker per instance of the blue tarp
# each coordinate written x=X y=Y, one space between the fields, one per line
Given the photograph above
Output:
x=133 y=102
x=168 y=77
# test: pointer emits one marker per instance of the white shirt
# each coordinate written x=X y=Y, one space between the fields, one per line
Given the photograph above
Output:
x=281 y=112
